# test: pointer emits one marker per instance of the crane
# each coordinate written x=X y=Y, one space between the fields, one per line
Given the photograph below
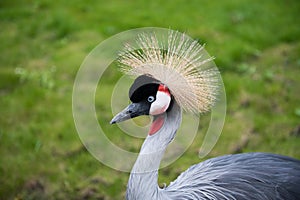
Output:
x=172 y=78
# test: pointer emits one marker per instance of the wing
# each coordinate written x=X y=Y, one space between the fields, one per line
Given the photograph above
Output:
x=240 y=176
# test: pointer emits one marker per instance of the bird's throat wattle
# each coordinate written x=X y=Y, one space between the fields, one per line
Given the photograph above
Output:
x=157 y=123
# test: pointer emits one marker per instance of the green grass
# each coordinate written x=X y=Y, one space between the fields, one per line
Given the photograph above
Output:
x=43 y=43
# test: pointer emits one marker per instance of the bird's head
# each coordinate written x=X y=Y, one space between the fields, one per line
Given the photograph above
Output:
x=172 y=69
x=148 y=97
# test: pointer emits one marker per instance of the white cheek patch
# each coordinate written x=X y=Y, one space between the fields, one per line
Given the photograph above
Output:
x=161 y=104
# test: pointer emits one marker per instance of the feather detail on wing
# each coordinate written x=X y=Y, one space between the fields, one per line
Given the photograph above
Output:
x=239 y=176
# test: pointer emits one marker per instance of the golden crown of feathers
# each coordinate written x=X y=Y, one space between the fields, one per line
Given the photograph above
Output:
x=180 y=63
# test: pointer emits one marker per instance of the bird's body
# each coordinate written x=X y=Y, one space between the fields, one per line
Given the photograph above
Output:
x=240 y=176
x=168 y=81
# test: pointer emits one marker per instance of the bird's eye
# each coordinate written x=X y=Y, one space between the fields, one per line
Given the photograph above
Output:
x=150 y=99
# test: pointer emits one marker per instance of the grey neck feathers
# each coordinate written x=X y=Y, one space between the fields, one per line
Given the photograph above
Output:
x=142 y=182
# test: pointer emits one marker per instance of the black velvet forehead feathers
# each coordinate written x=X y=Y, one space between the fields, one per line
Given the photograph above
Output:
x=142 y=87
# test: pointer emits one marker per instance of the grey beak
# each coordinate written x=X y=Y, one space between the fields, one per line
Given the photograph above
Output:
x=131 y=111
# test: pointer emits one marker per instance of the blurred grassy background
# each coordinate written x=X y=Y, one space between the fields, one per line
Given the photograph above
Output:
x=256 y=45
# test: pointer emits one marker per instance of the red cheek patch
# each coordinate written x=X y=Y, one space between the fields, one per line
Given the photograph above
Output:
x=157 y=123
x=163 y=88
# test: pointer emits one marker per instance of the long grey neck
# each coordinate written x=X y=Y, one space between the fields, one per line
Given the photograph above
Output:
x=143 y=179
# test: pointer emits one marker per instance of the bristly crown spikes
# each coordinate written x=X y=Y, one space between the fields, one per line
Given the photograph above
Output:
x=179 y=64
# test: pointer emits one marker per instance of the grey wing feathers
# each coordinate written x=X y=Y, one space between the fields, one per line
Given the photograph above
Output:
x=240 y=176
